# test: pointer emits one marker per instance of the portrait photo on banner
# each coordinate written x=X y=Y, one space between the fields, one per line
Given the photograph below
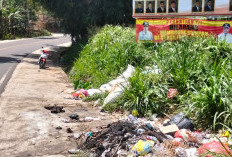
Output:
x=161 y=6
x=150 y=6
x=196 y=6
x=139 y=7
x=209 y=5
x=173 y=6
x=225 y=35
x=230 y=5
x=145 y=34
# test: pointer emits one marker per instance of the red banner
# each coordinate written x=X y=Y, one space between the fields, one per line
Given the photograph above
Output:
x=173 y=29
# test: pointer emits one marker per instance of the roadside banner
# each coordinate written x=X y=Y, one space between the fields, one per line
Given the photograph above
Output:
x=160 y=30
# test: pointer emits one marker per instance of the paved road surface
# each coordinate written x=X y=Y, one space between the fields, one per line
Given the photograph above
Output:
x=11 y=53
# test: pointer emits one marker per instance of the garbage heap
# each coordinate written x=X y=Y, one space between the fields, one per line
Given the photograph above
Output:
x=140 y=137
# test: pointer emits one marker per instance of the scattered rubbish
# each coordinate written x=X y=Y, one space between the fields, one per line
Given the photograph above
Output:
x=169 y=137
x=76 y=135
x=149 y=126
x=122 y=152
x=89 y=134
x=135 y=113
x=55 y=109
x=65 y=120
x=116 y=87
x=80 y=94
x=143 y=147
x=140 y=131
x=69 y=130
x=116 y=93
x=74 y=116
x=214 y=147
x=225 y=134
x=178 y=142
x=181 y=121
x=74 y=151
x=158 y=150
x=133 y=119
x=154 y=117
x=120 y=135
x=90 y=119
x=91 y=92
x=58 y=128
x=189 y=136
x=181 y=152
x=170 y=129
x=152 y=70
x=152 y=138
x=172 y=93
x=105 y=87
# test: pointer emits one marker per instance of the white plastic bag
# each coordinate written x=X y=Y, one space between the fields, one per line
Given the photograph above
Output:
x=91 y=92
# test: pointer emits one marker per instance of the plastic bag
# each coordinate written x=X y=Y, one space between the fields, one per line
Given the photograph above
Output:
x=181 y=121
x=215 y=147
x=93 y=91
x=189 y=136
x=181 y=152
x=112 y=97
x=143 y=147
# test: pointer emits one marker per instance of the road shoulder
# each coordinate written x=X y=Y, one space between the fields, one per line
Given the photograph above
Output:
x=27 y=129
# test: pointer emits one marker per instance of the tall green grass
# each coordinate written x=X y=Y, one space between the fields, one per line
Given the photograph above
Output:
x=199 y=68
x=106 y=55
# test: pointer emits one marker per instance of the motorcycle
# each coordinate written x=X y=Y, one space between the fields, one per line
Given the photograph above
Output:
x=43 y=58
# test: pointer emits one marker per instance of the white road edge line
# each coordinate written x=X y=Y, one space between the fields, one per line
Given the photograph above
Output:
x=4 y=76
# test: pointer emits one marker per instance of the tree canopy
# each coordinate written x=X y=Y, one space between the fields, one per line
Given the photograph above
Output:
x=15 y=16
x=78 y=15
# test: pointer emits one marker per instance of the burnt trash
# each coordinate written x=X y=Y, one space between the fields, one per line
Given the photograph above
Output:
x=74 y=117
x=121 y=135
x=58 y=128
x=182 y=121
x=69 y=130
x=55 y=109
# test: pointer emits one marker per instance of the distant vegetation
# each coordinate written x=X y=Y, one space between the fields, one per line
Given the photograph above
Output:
x=15 y=18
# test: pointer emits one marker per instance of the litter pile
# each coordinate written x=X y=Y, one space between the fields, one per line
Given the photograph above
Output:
x=139 y=137
x=55 y=109
x=119 y=137
x=115 y=87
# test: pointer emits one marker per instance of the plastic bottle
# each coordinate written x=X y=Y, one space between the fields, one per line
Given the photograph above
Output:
x=152 y=138
x=140 y=131
x=133 y=119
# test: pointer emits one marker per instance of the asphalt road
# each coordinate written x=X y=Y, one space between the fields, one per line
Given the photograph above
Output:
x=12 y=52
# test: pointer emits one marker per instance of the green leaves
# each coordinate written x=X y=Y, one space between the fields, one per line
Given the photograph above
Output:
x=16 y=15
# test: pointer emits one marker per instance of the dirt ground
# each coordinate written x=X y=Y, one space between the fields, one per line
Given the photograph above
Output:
x=26 y=128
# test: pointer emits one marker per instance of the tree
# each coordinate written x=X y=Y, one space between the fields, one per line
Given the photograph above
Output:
x=78 y=15
x=16 y=16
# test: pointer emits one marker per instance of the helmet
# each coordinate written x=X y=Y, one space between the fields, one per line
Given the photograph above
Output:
x=145 y=24
x=226 y=25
